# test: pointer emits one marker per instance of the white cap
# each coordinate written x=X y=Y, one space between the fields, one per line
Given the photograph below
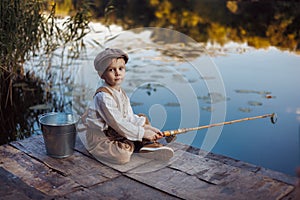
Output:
x=104 y=58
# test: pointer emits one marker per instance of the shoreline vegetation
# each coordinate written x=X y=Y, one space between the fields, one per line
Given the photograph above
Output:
x=27 y=34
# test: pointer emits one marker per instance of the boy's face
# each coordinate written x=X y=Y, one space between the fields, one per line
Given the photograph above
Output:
x=115 y=73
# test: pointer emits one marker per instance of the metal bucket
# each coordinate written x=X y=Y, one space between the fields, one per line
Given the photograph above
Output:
x=59 y=132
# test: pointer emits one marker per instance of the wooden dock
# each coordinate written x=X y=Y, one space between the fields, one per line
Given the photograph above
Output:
x=26 y=172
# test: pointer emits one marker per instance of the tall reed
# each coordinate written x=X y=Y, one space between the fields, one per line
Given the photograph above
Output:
x=27 y=30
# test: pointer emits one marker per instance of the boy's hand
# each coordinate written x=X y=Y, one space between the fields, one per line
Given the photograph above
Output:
x=152 y=133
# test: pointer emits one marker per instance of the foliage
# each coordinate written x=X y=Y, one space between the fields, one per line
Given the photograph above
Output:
x=19 y=32
x=28 y=29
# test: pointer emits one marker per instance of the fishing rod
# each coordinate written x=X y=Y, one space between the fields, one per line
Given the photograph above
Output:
x=171 y=133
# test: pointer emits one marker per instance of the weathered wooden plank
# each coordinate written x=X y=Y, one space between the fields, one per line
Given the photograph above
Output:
x=224 y=159
x=84 y=170
x=151 y=166
x=84 y=194
x=223 y=180
x=14 y=188
x=126 y=188
x=179 y=184
x=294 y=195
x=278 y=176
x=255 y=186
x=120 y=188
x=206 y=169
x=34 y=173
x=240 y=181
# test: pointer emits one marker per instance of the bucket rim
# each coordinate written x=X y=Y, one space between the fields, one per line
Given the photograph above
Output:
x=75 y=120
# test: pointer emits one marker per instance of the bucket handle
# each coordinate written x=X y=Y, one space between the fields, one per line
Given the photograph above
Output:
x=41 y=115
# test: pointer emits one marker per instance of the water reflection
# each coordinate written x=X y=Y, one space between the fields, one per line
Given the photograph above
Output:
x=18 y=120
x=258 y=23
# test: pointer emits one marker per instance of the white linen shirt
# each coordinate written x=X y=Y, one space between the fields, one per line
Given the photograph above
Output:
x=115 y=111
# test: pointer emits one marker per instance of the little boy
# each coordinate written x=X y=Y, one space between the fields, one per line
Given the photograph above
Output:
x=114 y=131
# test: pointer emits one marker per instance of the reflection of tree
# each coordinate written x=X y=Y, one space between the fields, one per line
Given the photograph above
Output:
x=259 y=23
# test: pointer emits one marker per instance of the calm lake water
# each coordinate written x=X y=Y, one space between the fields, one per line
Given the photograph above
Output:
x=275 y=146
x=231 y=82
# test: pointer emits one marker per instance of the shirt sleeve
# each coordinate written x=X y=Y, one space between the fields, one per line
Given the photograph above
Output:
x=135 y=119
x=124 y=125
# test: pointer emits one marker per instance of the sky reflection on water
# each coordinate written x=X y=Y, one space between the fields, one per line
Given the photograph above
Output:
x=260 y=142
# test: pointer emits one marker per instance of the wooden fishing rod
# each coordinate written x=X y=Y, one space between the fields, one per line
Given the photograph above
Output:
x=272 y=116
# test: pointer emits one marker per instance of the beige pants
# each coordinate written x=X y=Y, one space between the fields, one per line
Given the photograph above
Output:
x=112 y=147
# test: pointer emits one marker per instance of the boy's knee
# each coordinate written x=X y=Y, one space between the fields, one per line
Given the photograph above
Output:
x=122 y=159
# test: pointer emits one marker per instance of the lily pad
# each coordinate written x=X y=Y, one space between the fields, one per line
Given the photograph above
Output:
x=40 y=107
x=245 y=110
x=207 y=108
x=213 y=97
x=253 y=92
x=255 y=103
x=172 y=104
x=136 y=103
x=245 y=91
x=208 y=77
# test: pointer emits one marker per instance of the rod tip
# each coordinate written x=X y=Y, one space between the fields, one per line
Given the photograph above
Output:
x=274 y=118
